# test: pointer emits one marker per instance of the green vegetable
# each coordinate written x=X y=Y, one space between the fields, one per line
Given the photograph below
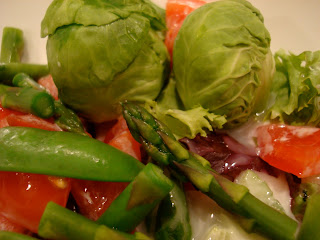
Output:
x=173 y=216
x=103 y=52
x=12 y=45
x=24 y=80
x=27 y=100
x=65 y=118
x=222 y=60
x=9 y=70
x=183 y=123
x=161 y=145
x=60 y=223
x=64 y=154
x=4 y=235
x=141 y=196
x=300 y=200
x=295 y=90
x=258 y=188
x=311 y=221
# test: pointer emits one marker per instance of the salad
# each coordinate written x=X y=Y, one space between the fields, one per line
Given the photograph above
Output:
x=147 y=123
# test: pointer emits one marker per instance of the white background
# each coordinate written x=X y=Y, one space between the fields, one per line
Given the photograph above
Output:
x=293 y=24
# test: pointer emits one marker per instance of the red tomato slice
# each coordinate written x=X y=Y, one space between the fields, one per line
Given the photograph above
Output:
x=93 y=198
x=176 y=12
x=49 y=84
x=23 y=197
x=7 y=225
x=293 y=149
x=32 y=121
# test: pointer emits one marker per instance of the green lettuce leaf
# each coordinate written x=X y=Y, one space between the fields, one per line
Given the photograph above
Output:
x=183 y=123
x=296 y=89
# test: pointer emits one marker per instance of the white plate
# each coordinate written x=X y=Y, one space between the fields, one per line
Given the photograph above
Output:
x=293 y=24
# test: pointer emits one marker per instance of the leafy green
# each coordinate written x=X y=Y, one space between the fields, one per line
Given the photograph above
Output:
x=222 y=61
x=183 y=123
x=103 y=52
x=296 y=88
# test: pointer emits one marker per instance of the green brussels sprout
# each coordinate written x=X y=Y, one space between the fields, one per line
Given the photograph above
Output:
x=103 y=52
x=222 y=60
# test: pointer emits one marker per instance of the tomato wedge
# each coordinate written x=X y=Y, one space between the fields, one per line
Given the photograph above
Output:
x=93 y=197
x=48 y=83
x=293 y=149
x=176 y=12
x=23 y=197
x=7 y=225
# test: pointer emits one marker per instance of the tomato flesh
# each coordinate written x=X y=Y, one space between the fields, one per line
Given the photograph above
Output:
x=23 y=197
x=93 y=197
x=176 y=12
x=7 y=225
x=293 y=149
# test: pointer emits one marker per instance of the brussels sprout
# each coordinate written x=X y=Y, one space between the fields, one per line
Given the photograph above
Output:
x=103 y=52
x=222 y=60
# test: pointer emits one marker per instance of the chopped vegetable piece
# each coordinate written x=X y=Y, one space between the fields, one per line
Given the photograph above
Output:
x=176 y=12
x=293 y=149
x=12 y=45
x=60 y=223
x=23 y=197
x=27 y=100
x=7 y=225
x=102 y=194
x=9 y=70
x=311 y=220
x=4 y=235
x=173 y=216
x=141 y=196
x=24 y=80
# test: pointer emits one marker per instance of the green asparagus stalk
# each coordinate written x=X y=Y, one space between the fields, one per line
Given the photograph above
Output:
x=65 y=118
x=173 y=216
x=60 y=223
x=4 y=235
x=27 y=100
x=164 y=148
x=9 y=70
x=141 y=196
x=12 y=45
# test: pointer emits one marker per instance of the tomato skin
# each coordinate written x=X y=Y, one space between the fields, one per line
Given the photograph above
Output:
x=7 y=225
x=93 y=197
x=176 y=12
x=49 y=84
x=23 y=197
x=293 y=149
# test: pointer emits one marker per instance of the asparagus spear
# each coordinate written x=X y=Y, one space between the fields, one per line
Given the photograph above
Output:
x=60 y=223
x=27 y=100
x=141 y=196
x=11 y=45
x=9 y=70
x=65 y=118
x=162 y=146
